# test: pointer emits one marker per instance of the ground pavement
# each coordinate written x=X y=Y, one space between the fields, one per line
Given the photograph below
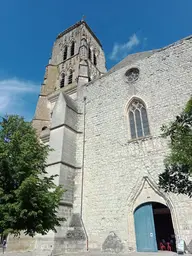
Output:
x=160 y=253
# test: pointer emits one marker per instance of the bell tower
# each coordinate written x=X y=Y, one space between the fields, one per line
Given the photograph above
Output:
x=77 y=58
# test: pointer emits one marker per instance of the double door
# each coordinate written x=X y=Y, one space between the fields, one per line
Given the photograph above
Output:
x=145 y=229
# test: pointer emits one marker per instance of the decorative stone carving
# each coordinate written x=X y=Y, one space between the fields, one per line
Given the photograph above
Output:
x=83 y=53
x=71 y=41
x=62 y=45
x=83 y=32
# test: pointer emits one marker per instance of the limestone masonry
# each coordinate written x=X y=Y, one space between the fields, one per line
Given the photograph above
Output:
x=104 y=127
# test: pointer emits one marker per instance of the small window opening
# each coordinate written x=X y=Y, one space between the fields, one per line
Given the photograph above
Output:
x=44 y=128
x=89 y=54
x=70 y=78
x=94 y=59
x=72 y=48
x=62 y=82
x=65 y=53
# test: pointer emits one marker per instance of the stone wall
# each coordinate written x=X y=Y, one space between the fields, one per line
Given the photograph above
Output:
x=115 y=165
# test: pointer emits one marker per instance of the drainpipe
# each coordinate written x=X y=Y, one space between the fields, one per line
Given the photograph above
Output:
x=82 y=177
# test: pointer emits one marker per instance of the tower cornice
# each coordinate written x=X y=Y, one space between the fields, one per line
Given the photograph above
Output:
x=77 y=25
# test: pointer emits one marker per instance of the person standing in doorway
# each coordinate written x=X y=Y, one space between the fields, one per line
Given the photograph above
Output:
x=4 y=244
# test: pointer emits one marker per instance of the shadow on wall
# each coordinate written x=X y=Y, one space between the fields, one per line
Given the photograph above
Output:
x=189 y=247
x=112 y=243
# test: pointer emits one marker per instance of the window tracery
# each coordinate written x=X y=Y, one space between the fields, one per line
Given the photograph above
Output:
x=138 y=120
x=132 y=74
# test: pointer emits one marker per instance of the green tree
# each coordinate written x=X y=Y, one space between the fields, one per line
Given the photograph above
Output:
x=29 y=199
x=177 y=177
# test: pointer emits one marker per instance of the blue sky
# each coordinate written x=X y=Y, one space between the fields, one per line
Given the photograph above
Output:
x=29 y=27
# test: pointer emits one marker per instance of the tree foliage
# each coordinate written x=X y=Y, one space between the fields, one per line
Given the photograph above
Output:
x=177 y=176
x=29 y=199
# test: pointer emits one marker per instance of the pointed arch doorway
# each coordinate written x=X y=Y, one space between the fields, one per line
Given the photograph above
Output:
x=153 y=228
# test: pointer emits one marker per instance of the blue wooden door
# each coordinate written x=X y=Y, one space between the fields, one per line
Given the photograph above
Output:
x=145 y=229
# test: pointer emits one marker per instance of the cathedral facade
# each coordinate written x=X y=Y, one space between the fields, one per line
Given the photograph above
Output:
x=104 y=127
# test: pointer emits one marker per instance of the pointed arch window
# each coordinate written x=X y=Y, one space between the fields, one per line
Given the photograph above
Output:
x=138 y=120
x=72 y=48
x=65 y=53
x=62 y=82
x=94 y=59
x=70 y=78
x=89 y=54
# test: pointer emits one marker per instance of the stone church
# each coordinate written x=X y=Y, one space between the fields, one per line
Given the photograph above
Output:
x=104 y=127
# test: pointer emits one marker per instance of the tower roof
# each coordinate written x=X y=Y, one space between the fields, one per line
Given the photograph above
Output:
x=77 y=25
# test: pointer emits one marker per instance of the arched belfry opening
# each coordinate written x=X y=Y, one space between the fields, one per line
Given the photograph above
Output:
x=154 y=228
